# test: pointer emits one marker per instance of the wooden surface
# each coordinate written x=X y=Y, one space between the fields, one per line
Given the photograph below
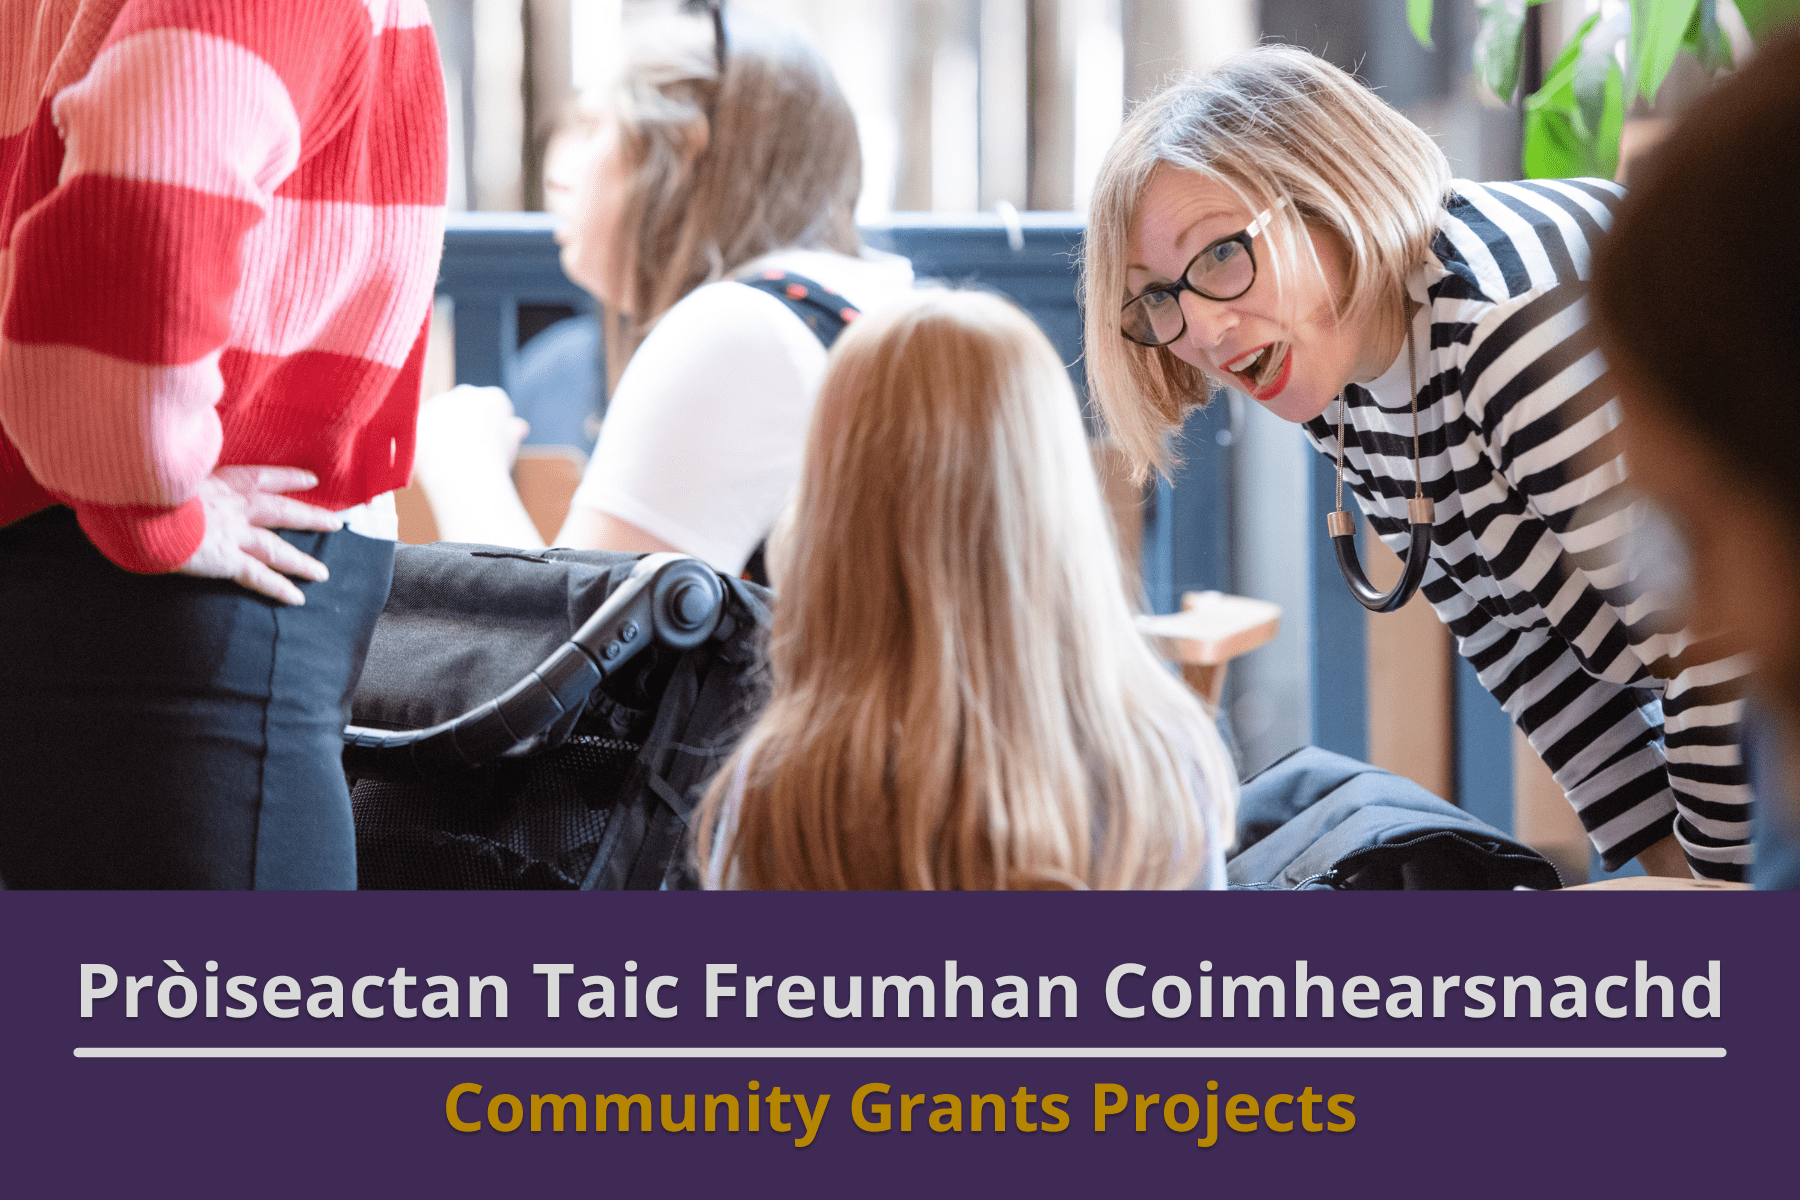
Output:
x=1207 y=682
x=417 y=526
x=1412 y=720
x=547 y=477
x=1212 y=628
x=1659 y=883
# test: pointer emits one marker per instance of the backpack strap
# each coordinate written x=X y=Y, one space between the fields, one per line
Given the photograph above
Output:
x=822 y=310
x=825 y=313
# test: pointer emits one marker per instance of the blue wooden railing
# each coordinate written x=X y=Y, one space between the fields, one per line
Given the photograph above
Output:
x=496 y=264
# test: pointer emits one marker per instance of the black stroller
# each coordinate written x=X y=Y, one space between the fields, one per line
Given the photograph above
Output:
x=470 y=768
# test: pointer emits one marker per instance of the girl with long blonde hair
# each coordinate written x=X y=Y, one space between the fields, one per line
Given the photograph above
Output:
x=960 y=697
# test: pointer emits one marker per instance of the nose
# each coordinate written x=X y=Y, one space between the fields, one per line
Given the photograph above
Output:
x=1208 y=322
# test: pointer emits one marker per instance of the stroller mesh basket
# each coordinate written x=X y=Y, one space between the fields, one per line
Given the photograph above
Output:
x=532 y=827
x=580 y=774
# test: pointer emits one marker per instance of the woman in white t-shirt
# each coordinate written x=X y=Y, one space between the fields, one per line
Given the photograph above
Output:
x=723 y=152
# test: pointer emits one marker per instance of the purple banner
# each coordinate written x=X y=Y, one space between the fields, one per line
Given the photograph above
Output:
x=1409 y=1044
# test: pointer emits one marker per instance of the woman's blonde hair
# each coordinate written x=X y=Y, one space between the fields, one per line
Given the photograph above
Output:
x=960 y=697
x=724 y=168
x=1276 y=124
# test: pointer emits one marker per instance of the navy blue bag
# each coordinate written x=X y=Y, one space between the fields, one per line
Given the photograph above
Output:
x=1318 y=821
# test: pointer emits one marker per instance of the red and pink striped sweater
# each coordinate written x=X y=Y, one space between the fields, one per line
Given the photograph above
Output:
x=220 y=223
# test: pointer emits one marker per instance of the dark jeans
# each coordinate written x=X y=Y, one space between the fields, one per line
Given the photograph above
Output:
x=158 y=731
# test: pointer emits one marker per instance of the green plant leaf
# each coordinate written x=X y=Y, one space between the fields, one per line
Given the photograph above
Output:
x=1612 y=124
x=1553 y=148
x=1499 y=35
x=1595 y=63
x=1556 y=139
x=1706 y=40
x=1658 y=28
x=1418 y=16
x=1763 y=17
x=1572 y=123
x=1558 y=89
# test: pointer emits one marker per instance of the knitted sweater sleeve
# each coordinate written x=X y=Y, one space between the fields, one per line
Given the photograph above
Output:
x=125 y=275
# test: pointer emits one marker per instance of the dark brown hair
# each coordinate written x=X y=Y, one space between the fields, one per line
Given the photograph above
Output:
x=725 y=169
x=1697 y=288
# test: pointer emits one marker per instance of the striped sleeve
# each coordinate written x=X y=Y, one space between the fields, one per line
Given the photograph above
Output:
x=175 y=140
x=1635 y=717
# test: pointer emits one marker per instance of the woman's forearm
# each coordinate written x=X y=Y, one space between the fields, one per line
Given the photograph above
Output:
x=1665 y=858
x=590 y=529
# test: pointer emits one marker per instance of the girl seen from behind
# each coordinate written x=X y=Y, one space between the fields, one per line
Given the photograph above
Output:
x=960 y=697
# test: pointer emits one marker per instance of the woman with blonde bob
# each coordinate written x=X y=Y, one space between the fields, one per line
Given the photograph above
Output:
x=960 y=697
x=710 y=193
x=1275 y=228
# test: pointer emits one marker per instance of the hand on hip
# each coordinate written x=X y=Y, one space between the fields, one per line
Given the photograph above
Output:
x=243 y=504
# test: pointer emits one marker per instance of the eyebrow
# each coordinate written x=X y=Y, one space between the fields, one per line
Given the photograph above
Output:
x=1182 y=237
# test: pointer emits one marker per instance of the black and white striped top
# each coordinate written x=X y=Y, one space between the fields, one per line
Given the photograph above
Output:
x=1530 y=566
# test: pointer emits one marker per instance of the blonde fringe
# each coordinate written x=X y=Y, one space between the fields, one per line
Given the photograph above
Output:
x=1276 y=123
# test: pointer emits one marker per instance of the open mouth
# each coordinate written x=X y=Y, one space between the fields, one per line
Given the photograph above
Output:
x=1261 y=371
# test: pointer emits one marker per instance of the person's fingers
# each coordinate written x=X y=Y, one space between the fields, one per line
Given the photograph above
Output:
x=216 y=560
x=271 y=549
x=258 y=578
x=271 y=510
x=268 y=479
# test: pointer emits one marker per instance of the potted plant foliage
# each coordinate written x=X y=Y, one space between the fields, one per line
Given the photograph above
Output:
x=1610 y=71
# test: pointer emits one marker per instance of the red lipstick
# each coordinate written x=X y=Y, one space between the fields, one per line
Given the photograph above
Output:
x=1275 y=386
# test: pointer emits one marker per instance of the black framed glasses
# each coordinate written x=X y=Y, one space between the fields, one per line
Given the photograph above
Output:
x=1224 y=270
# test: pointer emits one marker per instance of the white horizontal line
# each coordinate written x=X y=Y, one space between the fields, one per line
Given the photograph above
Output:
x=832 y=1052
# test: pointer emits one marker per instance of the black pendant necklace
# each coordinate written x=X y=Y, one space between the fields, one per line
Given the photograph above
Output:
x=1419 y=511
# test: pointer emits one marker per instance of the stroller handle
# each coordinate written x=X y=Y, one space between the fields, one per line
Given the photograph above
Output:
x=668 y=598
